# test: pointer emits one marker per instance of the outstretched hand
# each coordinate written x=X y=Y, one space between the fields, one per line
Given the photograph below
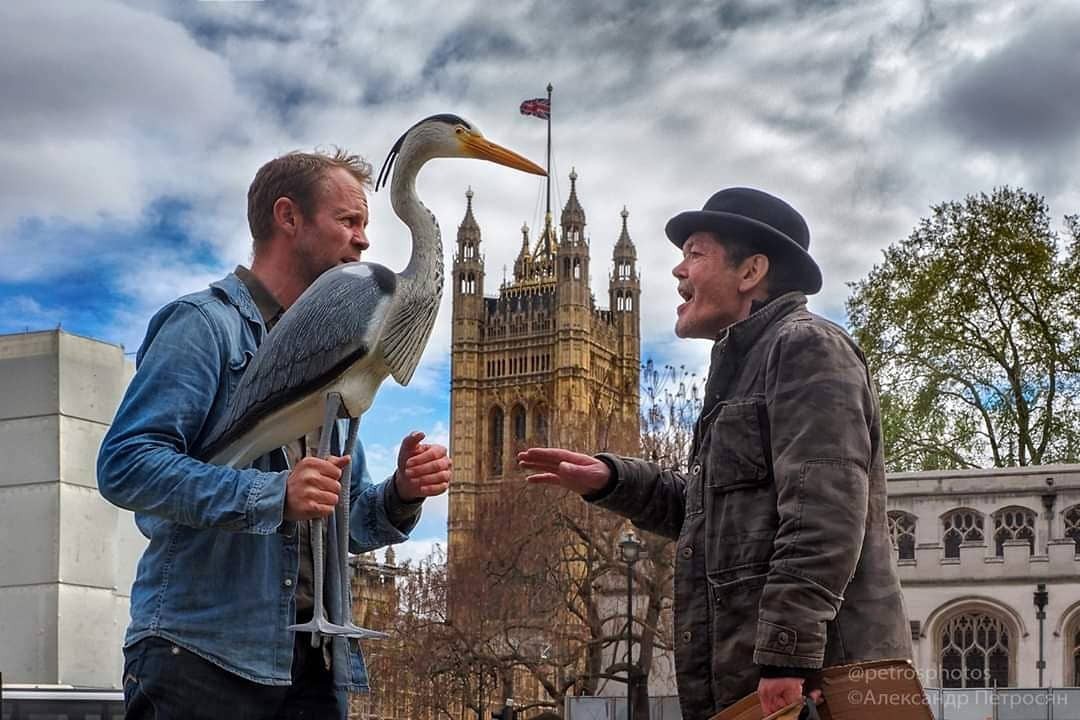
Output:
x=422 y=470
x=583 y=474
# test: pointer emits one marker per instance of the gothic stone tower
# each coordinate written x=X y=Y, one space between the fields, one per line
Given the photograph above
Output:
x=539 y=364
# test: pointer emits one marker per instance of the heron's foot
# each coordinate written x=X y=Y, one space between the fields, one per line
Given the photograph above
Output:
x=321 y=626
x=355 y=631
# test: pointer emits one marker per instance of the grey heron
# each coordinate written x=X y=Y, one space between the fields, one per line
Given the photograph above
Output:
x=356 y=324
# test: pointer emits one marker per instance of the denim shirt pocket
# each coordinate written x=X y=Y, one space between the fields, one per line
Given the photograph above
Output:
x=237 y=364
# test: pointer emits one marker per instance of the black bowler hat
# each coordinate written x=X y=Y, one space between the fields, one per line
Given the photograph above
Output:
x=765 y=220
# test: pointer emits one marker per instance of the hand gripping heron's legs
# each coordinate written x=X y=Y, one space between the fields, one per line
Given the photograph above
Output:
x=342 y=511
x=319 y=625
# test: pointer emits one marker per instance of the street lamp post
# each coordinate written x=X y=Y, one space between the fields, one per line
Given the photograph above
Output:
x=630 y=550
x=1042 y=597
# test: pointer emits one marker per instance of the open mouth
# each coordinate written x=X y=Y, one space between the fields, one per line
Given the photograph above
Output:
x=346 y=260
x=687 y=295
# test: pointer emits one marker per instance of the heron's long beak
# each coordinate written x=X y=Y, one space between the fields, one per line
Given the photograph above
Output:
x=484 y=149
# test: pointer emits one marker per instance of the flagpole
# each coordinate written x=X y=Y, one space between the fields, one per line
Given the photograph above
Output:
x=547 y=214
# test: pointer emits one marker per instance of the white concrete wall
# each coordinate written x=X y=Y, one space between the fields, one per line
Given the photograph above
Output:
x=67 y=557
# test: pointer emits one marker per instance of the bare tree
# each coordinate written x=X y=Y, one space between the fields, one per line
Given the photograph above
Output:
x=538 y=611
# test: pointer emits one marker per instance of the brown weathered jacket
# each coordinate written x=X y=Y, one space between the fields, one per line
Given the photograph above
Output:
x=783 y=555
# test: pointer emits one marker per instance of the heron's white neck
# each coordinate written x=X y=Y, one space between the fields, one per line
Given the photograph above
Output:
x=426 y=261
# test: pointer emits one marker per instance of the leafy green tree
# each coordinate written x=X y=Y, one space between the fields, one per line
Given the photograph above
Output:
x=970 y=326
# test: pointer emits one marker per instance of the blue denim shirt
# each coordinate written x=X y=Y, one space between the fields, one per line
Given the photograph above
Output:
x=220 y=570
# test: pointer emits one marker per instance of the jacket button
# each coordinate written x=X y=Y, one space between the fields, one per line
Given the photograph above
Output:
x=783 y=638
x=687 y=553
x=696 y=469
x=288 y=582
x=686 y=636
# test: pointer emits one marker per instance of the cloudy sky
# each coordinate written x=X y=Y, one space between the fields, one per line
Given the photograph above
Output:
x=129 y=133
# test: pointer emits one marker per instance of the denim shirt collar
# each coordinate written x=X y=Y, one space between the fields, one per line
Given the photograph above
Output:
x=233 y=290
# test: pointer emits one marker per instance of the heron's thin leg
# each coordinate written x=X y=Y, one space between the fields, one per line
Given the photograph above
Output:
x=343 y=524
x=319 y=625
x=318 y=614
x=343 y=541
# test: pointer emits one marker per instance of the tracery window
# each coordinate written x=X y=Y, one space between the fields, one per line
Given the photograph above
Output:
x=1014 y=523
x=496 y=441
x=961 y=526
x=1072 y=525
x=540 y=425
x=974 y=651
x=902 y=533
x=517 y=419
x=1076 y=656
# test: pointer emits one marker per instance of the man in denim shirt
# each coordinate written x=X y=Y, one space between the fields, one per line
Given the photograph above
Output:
x=228 y=569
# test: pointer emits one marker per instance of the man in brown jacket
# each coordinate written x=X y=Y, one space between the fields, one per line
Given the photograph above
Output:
x=783 y=563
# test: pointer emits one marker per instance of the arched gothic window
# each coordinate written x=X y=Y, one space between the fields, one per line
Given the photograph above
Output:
x=1075 y=635
x=961 y=526
x=540 y=425
x=517 y=420
x=1014 y=523
x=974 y=653
x=902 y=534
x=1072 y=525
x=496 y=441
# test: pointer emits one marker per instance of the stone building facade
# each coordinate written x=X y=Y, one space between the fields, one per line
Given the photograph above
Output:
x=539 y=363
x=976 y=549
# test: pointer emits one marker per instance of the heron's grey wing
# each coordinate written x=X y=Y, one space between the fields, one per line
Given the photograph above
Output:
x=407 y=332
x=329 y=328
x=409 y=327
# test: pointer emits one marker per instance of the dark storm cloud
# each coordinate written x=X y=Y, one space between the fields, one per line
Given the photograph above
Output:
x=859 y=70
x=930 y=24
x=657 y=105
x=472 y=40
x=1025 y=95
x=735 y=14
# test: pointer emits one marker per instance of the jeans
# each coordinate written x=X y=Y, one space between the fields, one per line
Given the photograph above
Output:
x=165 y=682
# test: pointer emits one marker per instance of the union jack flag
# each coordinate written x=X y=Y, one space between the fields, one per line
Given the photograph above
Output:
x=538 y=107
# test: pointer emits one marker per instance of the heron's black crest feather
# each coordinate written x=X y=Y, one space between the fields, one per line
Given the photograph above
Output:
x=384 y=173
